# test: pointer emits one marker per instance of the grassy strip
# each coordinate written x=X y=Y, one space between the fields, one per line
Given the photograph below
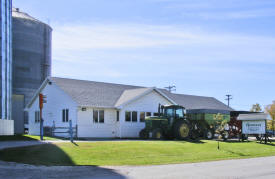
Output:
x=134 y=152
x=25 y=138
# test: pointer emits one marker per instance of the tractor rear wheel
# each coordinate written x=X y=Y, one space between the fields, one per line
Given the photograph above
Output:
x=143 y=134
x=182 y=130
x=209 y=134
x=157 y=134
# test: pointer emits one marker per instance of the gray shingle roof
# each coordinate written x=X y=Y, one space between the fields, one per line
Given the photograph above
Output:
x=130 y=94
x=197 y=102
x=91 y=93
x=100 y=94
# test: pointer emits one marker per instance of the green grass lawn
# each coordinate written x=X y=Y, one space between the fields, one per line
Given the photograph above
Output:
x=134 y=152
x=25 y=138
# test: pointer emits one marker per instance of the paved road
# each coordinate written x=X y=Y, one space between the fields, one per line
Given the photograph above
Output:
x=260 y=168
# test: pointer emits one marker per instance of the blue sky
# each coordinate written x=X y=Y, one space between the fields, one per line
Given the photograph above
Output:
x=204 y=47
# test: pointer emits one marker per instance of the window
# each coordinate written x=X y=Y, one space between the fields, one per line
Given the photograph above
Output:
x=156 y=114
x=65 y=115
x=142 y=116
x=169 y=112
x=128 y=116
x=101 y=116
x=117 y=115
x=98 y=116
x=37 y=117
x=148 y=114
x=179 y=113
x=134 y=116
x=95 y=115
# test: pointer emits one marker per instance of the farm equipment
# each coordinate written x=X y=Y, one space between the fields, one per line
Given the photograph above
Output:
x=170 y=123
x=207 y=123
x=174 y=122
x=235 y=126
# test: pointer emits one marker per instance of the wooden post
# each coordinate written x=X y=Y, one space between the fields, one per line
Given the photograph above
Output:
x=71 y=131
x=265 y=140
x=41 y=120
x=41 y=125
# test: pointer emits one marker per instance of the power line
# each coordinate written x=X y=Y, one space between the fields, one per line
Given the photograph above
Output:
x=171 y=88
x=229 y=97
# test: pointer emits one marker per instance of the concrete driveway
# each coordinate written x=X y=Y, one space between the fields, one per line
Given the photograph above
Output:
x=263 y=167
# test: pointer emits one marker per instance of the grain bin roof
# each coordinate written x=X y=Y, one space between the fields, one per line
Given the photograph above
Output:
x=16 y=13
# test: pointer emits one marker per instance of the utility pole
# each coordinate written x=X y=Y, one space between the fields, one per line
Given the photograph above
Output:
x=228 y=98
x=171 y=88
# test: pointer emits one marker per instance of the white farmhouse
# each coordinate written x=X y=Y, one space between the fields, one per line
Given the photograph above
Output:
x=105 y=110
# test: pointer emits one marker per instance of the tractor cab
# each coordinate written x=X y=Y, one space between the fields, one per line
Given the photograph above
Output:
x=172 y=112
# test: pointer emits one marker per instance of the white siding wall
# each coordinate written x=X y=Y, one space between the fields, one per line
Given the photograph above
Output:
x=6 y=127
x=147 y=103
x=58 y=100
x=88 y=128
x=52 y=110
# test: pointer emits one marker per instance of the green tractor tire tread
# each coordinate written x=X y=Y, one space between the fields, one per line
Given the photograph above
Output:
x=177 y=130
x=157 y=134
x=143 y=134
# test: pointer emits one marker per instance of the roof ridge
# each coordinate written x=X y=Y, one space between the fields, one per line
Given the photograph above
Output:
x=186 y=94
x=99 y=82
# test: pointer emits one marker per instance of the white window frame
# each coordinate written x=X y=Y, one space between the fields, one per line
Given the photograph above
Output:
x=98 y=116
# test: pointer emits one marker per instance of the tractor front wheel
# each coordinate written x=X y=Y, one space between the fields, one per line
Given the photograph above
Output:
x=182 y=130
x=157 y=134
x=143 y=134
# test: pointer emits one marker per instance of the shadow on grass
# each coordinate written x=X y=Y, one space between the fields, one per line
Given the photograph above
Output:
x=75 y=143
x=236 y=141
x=196 y=141
x=17 y=138
x=268 y=143
x=20 y=137
x=236 y=153
x=52 y=155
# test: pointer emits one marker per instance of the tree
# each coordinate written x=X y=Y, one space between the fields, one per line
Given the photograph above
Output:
x=256 y=108
x=271 y=110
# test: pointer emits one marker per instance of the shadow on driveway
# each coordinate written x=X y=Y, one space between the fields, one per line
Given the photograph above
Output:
x=45 y=162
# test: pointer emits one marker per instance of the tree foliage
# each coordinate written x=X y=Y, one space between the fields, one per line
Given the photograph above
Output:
x=256 y=108
x=271 y=110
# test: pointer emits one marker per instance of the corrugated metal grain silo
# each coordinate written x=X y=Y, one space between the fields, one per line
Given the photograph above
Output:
x=31 y=61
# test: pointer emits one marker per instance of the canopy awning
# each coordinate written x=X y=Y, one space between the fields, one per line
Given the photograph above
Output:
x=253 y=117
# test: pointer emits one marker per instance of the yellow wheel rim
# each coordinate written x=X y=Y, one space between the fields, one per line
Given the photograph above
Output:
x=184 y=130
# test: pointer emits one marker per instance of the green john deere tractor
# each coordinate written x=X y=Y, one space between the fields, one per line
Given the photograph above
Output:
x=171 y=123
x=174 y=122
